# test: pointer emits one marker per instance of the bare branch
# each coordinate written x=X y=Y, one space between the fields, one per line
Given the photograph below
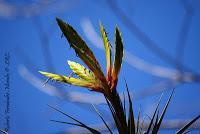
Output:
x=8 y=10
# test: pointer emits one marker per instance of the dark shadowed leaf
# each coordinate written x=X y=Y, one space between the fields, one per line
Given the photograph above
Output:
x=119 y=50
x=157 y=126
x=102 y=119
x=182 y=130
x=3 y=132
x=131 y=122
x=74 y=38
x=93 y=131
x=138 y=121
x=154 y=114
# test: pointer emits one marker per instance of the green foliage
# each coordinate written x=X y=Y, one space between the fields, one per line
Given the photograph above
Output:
x=95 y=79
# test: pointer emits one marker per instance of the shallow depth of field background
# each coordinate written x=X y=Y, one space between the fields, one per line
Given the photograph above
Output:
x=162 y=45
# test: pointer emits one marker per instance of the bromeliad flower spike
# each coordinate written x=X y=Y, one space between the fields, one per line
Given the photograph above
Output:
x=94 y=79
x=93 y=76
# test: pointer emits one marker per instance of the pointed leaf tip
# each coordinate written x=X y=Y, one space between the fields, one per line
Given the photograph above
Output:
x=70 y=80
x=107 y=50
x=119 y=52
x=83 y=72
x=81 y=49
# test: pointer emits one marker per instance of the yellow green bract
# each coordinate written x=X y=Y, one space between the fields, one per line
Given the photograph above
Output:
x=107 y=50
x=82 y=72
x=65 y=79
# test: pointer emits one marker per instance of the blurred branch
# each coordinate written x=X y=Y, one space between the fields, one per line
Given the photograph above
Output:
x=9 y=10
x=77 y=130
x=23 y=57
x=184 y=31
x=3 y=132
x=173 y=76
x=131 y=59
x=44 y=44
x=155 y=89
x=143 y=37
x=134 y=61
x=130 y=4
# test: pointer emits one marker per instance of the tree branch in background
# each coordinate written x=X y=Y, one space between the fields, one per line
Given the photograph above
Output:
x=184 y=31
x=143 y=37
x=9 y=10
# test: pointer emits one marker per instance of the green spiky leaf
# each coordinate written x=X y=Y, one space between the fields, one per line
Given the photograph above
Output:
x=102 y=119
x=81 y=49
x=131 y=121
x=154 y=114
x=69 y=80
x=138 y=121
x=80 y=124
x=75 y=39
x=107 y=50
x=182 y=130
x=119 y=50
x=157 y=126
x=82 y=72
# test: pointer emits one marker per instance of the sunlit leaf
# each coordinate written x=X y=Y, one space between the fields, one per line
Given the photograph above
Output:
x=69 y=80
x=82 y=72
x=81 y=49
x=107 y=50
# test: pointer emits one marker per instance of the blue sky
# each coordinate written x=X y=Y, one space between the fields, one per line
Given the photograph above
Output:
x=29 y=37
